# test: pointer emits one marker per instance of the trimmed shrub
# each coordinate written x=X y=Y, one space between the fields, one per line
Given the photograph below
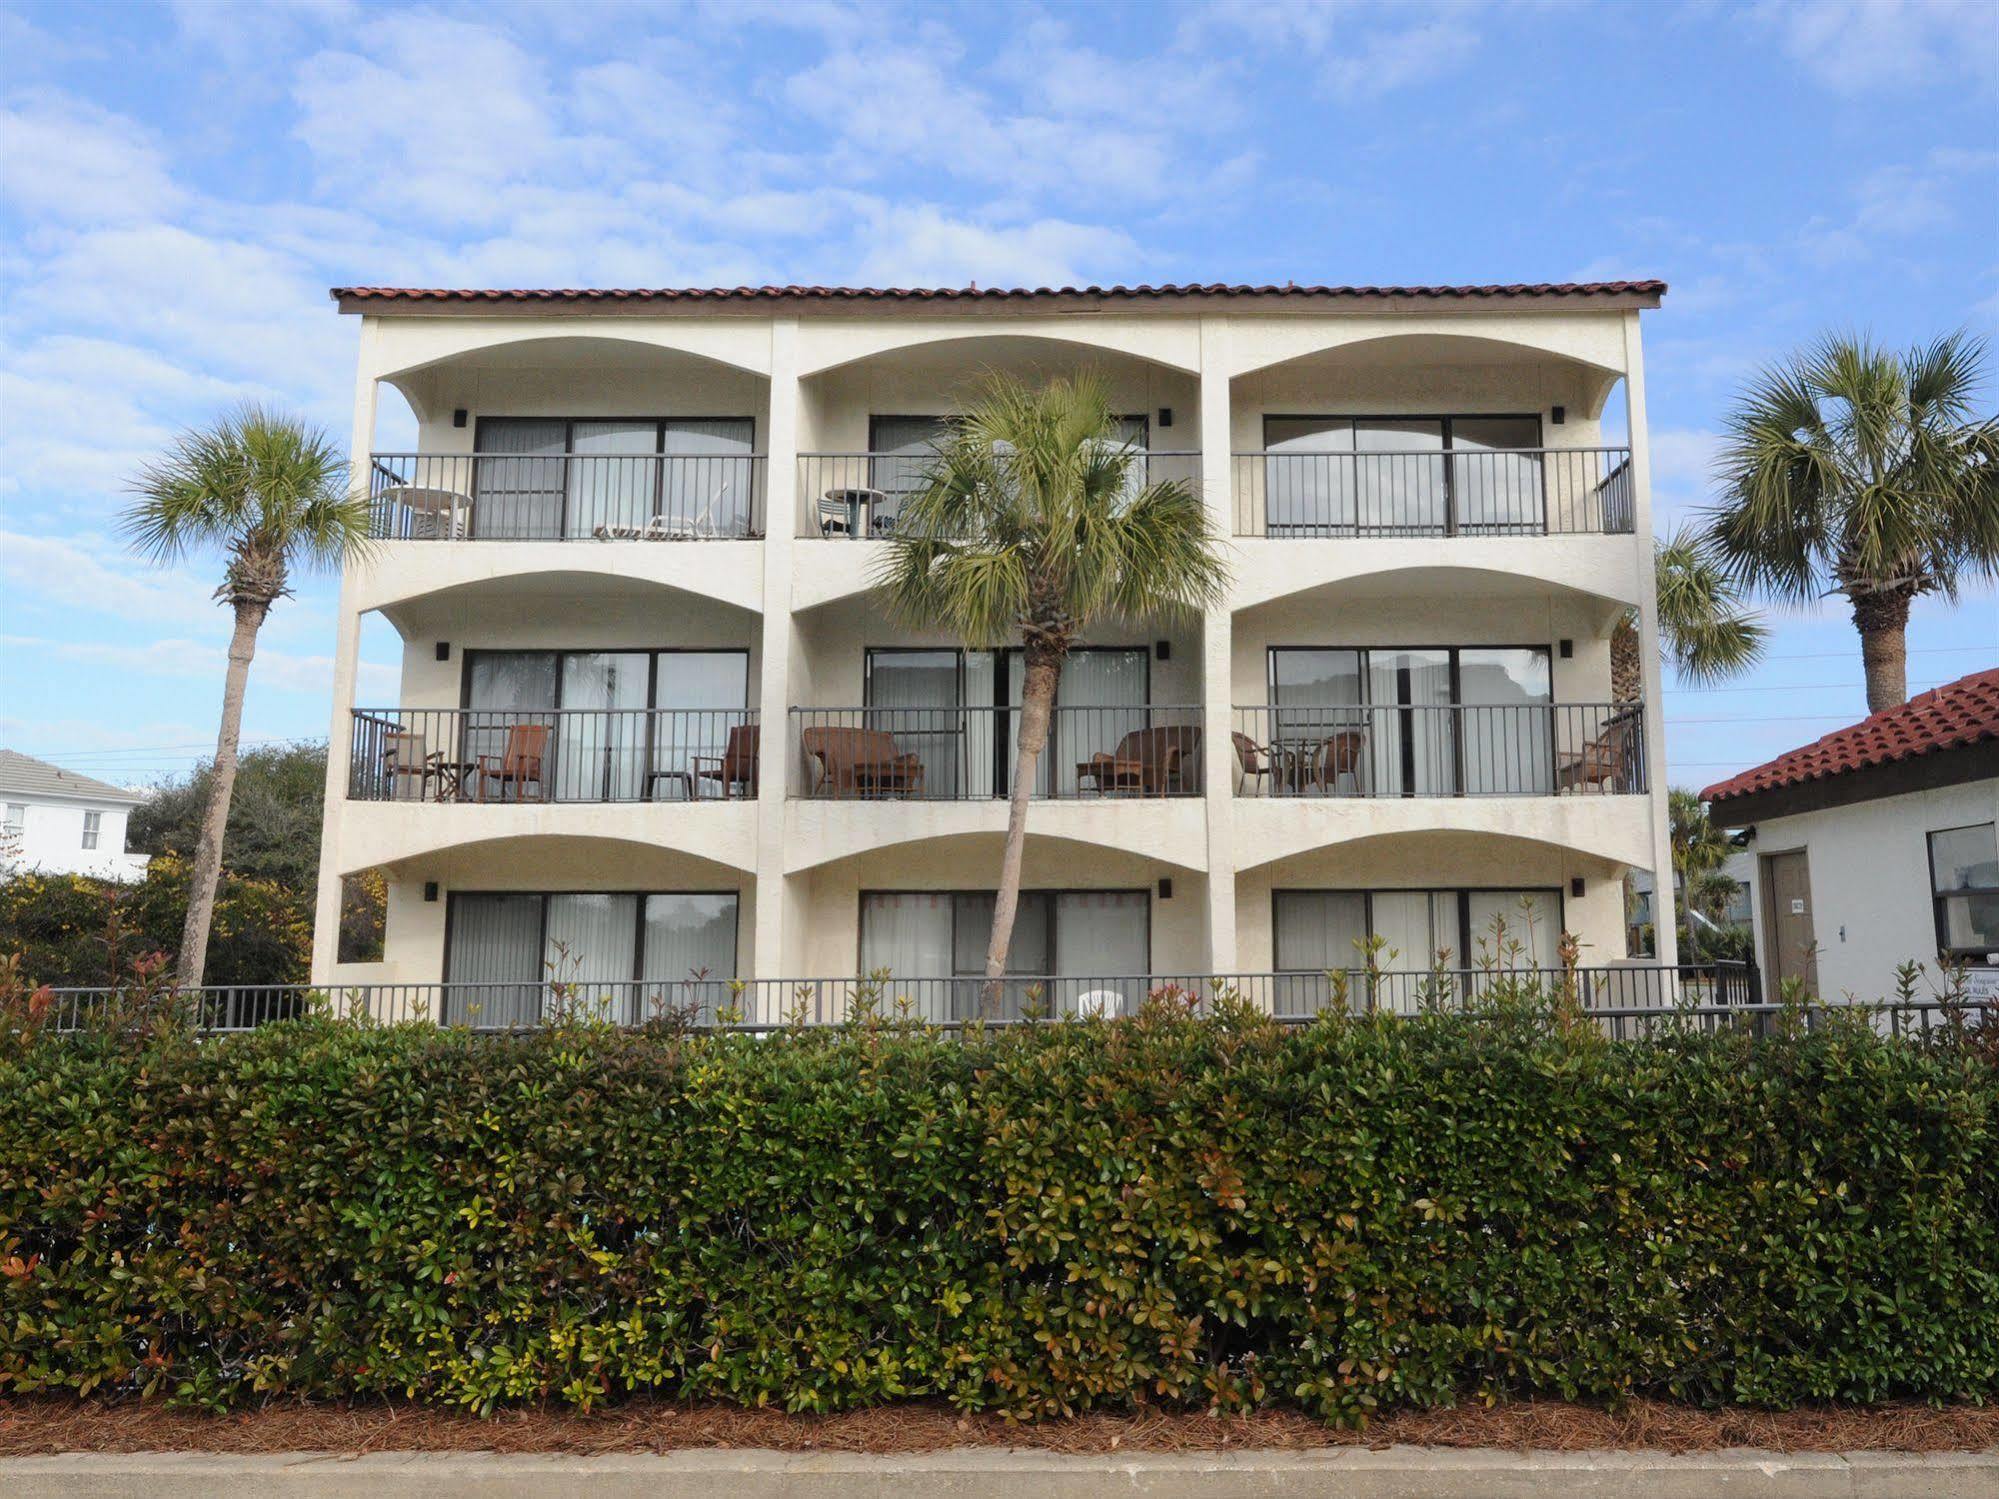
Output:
x=1170 y=1210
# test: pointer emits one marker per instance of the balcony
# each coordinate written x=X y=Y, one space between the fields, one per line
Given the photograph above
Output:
x=1446 y=750
x=1433 y=492
x=454 y=755
x=566 y=496
x=966 y=754
x=857 y=496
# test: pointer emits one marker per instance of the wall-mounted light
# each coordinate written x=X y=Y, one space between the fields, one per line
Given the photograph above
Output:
x=1166 y=890
x=1162 y=650
x=1561 y=416
x=1576 y=886
x=1566 y=647
x=1165 y=416
x=458 y=417
x=444 y=650
x=430 y=890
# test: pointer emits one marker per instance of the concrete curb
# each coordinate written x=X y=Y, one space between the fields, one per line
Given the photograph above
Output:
x=1331 y=1473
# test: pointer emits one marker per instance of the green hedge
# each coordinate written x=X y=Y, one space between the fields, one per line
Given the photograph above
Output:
x=1166 y=1210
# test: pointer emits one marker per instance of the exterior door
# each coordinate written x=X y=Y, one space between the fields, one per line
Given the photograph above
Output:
x=1787 y=919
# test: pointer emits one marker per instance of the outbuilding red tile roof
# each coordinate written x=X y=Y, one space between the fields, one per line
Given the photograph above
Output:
x=1957 y=714
x=1553 y=289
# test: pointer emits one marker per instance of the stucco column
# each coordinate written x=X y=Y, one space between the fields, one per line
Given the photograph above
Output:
x=346 y=655
x=1666 y=939
x=1217 y=717
x=774 y=682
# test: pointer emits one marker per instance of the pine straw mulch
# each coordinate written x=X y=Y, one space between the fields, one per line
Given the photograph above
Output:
x=39 y=1426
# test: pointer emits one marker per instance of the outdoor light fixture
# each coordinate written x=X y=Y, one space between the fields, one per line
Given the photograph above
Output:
x=1166 y=890
x=1162 y=650
x=1576 y=887
x=458 y=417
x=444 y=650
x=1165 y=416
x=1567 y=648
x=430 y=890
x=1561 y=415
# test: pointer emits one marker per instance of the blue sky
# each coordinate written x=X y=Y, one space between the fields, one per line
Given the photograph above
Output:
x=180 y=184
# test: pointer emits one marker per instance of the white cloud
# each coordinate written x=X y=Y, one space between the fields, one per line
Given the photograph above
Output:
x=71 y=162
x=61 y=570
x=928 y=248
x=1855 y=46
x=199 y=660
x=1363 y=49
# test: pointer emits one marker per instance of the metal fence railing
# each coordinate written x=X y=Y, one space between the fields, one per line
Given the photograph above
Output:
x=566 y=497
x=1386 y=750
x=1626 y=1001
x=561 y=755
x=857 y=496
x=967 y=754
x=1434 y=492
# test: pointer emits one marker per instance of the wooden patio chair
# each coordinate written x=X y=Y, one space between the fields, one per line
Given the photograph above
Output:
x=522 y=761
x=1609 y=760
x=1146 y=761
x=861 y=762
x=736 y=765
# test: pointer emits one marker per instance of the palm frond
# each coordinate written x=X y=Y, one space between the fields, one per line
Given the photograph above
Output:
x=1706 y=631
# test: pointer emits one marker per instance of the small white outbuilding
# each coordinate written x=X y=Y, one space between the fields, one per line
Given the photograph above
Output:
x=1875 y=846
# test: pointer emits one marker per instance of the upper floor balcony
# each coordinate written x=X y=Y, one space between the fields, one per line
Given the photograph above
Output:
x=859 y=496
x=572 y=496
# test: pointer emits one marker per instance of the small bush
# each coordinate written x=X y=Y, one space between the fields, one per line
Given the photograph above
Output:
x=1163 y=1210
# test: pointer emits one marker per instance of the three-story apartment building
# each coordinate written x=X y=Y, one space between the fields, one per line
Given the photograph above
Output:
x=652 y=730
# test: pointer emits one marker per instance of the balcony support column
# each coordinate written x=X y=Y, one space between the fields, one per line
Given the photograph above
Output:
x=1665 y=923
x=779 y=652
x=346 y=658
x=1217 y=666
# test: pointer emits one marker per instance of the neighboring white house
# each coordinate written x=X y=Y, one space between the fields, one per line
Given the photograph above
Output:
x=652 y=723
x=59 y=822
x=1875 y=845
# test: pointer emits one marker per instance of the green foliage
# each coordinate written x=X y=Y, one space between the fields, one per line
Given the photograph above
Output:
x=1703 y=627
x=72 y=930
x=275 y=812
x=1164 y=1210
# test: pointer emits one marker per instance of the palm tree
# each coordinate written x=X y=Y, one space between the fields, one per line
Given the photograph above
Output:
x=1704 y=631
x=270 y=493
x=1033 y=525
x=1699 y=849
x=1852 y=470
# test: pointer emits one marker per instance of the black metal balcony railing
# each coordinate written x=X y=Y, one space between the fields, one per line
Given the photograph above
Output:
x=1519 y=492
x=567 y=755
x=856 y=496
x=967 y=754
x=566 y=497
x=1521 y=749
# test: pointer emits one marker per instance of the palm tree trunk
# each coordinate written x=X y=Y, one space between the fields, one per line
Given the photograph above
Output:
x=1882 y=617
x=207 y=873
x=1627 y=662
x=1037 y=702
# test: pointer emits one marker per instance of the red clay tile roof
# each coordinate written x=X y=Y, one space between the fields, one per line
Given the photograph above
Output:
x=1563 y=289
x=1957 y=714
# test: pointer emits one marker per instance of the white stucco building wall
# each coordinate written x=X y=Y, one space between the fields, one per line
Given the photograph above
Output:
x=59 y=822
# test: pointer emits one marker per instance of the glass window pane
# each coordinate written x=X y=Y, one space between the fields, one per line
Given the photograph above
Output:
x=689 y=953
x=504 y=691
x=493 y=961
x=1101 y=701
x=907 y=934
x=1971 y=922
x=1100 y=935
x=1315 y=932
x=600 y=736
x=904 y=448
x=1964 y=859
x=1496 y=486
x=914 y=696
x=1411 y=729
x=708 y=485
x=612 y=478
x=1399 y=488
x=1507 y=726
x=1515 y=928
x=700 y=696
x=1308 y=479
x=520 y=497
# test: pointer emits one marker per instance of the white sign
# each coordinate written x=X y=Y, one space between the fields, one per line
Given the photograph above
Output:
x=1981 y=983
x=1797 y=908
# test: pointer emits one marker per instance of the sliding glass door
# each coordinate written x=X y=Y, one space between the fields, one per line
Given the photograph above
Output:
x=1403 y=475
x=619 y=956
x=623 y=477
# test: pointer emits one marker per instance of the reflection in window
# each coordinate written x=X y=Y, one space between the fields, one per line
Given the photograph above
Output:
x=1964 y=885
x=1403 y=476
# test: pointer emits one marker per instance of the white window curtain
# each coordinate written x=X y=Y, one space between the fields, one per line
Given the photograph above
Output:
x=1507 y=727
x=709 y=486
x=700 y=695
x=1101 y=699
x=690 y=952
x=1420 y=681
x=613 y=478
x=493 y=964
x=520 y=495
x=1315 y=933
x=906 y=934
x=1100 y=936
x=915 y=696
x=600 y=735
x=591 y=947
x=1499 y=919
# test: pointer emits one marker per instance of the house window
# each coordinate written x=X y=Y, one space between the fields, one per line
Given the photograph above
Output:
x=1090 y=941
x=547 y=478
x=1964 y=886
x=17 y=819
x=619 y=955
x=1316 y=932
x=93 y=823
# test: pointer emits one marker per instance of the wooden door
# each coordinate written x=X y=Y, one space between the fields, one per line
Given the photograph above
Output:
x=1791 y=948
